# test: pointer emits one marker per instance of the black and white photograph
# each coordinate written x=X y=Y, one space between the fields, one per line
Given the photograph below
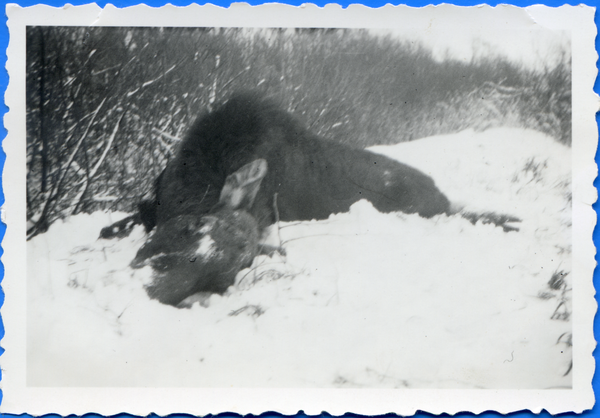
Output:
x=268 y=206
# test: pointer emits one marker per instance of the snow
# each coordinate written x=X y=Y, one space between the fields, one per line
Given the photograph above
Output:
x=206 y=247
x=362 y=299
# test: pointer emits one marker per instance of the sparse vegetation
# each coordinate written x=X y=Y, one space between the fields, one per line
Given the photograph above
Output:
x=532 y=171
x=559 y=288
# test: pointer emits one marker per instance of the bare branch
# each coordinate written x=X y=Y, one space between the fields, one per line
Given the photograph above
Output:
x=107 y=148
x=58 y=185
x=166 y=135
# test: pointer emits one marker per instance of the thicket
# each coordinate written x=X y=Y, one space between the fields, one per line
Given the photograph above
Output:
x=106 y=107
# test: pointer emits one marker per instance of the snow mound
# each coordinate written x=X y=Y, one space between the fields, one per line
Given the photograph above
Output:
x=362 y=299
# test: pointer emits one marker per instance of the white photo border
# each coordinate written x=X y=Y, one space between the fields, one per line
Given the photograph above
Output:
x=18 y=398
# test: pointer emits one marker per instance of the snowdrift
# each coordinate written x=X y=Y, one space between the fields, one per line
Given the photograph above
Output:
x=362 y=299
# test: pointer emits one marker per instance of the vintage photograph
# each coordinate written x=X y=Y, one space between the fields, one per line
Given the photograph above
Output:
x=349 y=190
x=299 y=207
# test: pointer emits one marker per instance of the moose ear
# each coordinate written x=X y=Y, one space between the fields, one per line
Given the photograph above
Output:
x=254 y=171
x=240 y=188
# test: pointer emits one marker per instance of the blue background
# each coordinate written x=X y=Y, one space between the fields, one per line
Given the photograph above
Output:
x=595 y=412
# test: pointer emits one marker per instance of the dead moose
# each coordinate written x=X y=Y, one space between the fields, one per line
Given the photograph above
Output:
x=192 y=256
x=308 y=177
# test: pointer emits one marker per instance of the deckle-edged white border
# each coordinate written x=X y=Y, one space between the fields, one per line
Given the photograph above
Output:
x=19 y=398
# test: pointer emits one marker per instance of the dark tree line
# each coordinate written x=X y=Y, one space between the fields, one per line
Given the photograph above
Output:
x=106 y=107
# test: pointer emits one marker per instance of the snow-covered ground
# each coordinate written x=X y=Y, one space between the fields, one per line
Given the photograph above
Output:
x=362 y=299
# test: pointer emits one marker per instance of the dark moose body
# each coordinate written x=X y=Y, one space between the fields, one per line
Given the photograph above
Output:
x=308 y=177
